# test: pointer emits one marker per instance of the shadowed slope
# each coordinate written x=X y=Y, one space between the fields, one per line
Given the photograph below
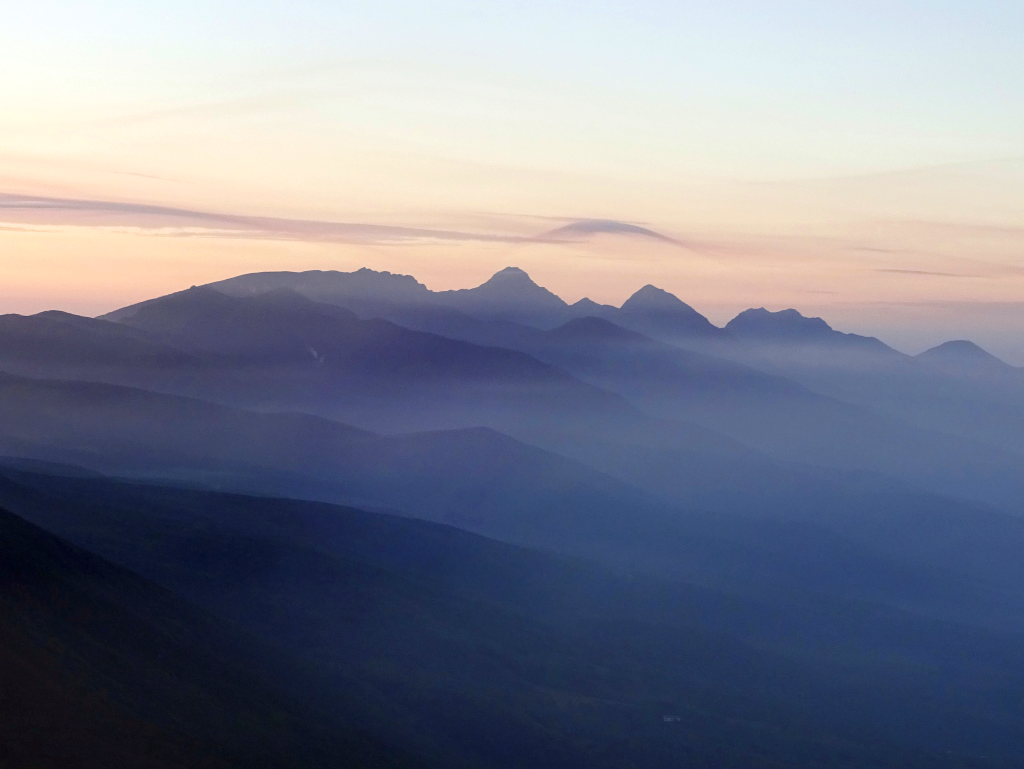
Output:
x=767 y=528
x=281 y=351
x=101 y=668
x=762 y=410
x=475 y=478
x=503 y=657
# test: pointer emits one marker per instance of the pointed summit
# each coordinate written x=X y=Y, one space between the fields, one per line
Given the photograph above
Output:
x=510 y=294
x=513 y=285
x=653 y=298
x=510 y=272
x=510 y=276
x=588 y=308
x=656 y=313
x=586 y=304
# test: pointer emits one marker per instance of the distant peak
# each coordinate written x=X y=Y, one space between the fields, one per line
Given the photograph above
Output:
x=959 y=347
x=652 y=297
x=590 y=327
x=790 y=327
x=963 y=353
x=511 y=278
x=510 y=290
x=784 y=323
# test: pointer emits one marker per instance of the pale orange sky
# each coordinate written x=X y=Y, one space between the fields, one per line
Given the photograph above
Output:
x=860 y=163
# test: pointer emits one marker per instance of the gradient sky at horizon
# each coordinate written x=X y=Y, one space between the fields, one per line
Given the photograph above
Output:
x=859 y=161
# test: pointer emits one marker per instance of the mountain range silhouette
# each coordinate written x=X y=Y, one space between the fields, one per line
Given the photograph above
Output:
x=326 y=518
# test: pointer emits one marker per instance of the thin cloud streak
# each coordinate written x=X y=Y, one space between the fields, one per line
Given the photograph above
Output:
x=184 y=222
x=927 y=272
x=71 y=211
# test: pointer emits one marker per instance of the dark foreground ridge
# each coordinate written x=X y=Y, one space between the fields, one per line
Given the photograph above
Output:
x=103 y=668
x=454 y=647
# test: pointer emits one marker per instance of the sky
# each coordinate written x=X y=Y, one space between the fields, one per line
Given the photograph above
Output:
x=861 y=161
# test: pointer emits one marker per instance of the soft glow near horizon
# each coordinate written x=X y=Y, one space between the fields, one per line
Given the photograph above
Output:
x=861 y=161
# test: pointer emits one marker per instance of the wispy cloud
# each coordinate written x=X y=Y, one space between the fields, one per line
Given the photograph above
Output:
x=587 y=228
x=34 y=210
x=39 y=211
x=928 y=272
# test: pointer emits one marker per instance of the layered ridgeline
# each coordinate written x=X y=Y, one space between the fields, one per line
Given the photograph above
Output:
x=783 y=526
x=851 y=407
x=259 y=352
x=972 y=398
x=468 y=652
x=867 y=541
x=955 y=387
x=509 y=296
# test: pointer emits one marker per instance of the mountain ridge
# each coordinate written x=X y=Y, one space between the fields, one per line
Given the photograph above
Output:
x=760 y=326
x=136 y=676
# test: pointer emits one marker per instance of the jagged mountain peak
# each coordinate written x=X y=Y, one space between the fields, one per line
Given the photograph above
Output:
x=588 y=308
x=659 y=314
x=508 y=289
x=789 y=324
x=512 y=271
x=328 y=285
x=792 y=328
x=651 y=297
x=512 y=277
